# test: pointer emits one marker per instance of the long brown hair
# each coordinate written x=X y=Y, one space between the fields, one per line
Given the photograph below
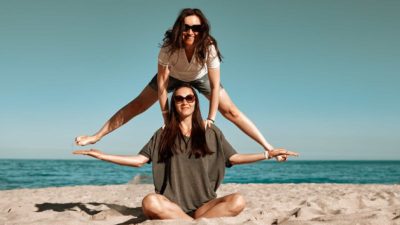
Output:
x=173 y=37
x=172 y=131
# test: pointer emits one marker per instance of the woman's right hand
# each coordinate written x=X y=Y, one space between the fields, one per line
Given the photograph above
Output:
x=86 y=140
x=92 y=152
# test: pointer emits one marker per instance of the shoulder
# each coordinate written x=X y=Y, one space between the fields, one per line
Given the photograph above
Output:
x=157 y=134
x=212 y=52
x=165 y=49
x=214 y=130
x=211 y=48
x=159 y=131
x=168 y=51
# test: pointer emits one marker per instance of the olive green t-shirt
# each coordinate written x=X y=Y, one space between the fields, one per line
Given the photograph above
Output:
x=191 y=181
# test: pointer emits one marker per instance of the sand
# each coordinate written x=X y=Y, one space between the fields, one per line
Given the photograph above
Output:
x=289 y=204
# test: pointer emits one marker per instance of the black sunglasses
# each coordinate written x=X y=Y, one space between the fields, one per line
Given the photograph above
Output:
x=194 y=28
x=188 y=98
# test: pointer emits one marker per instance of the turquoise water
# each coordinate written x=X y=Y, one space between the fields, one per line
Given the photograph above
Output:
x=16 y=174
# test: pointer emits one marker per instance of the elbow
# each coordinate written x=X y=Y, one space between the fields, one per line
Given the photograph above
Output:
x=140 y=162
x=137 y=165
x=235 y=159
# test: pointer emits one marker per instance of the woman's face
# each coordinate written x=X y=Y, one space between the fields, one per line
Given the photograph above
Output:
x=192 y=29
x=185 y=102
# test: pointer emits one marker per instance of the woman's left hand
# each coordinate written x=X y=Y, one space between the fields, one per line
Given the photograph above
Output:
x=281 y=154
x=92 y=152
x=207 y=123
x=281 y=158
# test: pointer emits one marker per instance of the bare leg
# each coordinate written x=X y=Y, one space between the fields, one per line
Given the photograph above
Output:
x=157 y=206
x=232 y=113
x=138 y=105
x=230 y=205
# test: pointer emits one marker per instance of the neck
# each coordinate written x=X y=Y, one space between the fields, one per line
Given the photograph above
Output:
x=186 y=125
x=189 y=48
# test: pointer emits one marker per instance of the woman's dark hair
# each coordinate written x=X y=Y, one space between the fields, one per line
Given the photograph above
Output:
x=172 y=131
x=173 y=37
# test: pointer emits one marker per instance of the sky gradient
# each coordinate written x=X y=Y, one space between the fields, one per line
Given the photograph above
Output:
x=318 y=77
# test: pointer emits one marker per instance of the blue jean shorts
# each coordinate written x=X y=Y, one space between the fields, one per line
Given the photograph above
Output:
x=202 y=84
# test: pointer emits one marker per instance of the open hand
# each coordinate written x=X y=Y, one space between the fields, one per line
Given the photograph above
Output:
x=85 y=140
x=92 y=152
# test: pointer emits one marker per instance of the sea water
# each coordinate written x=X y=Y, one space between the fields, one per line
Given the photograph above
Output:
x=15 y=174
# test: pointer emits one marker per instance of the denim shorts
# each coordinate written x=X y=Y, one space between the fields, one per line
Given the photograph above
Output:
x=202 y=84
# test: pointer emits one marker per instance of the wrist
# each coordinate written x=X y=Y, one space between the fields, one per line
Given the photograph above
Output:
x=101 y=156
x=267 y=155
x=268 y=148
x=213 y=121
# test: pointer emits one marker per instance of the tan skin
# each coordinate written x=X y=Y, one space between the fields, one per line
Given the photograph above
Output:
x=219 y=99
x=156 y=206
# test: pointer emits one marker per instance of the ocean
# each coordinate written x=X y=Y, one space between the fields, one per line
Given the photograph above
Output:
x=16 y=174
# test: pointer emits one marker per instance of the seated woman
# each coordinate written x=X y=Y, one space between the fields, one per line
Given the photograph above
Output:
x=188 y=164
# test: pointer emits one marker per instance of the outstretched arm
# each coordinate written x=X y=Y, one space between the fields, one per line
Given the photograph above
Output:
x=250 y=158
x=134 y=161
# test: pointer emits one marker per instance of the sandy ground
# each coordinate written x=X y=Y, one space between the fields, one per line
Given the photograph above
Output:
x=289 y=204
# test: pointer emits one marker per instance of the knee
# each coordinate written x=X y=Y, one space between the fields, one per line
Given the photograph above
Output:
x=236 y=203
x=151 y=205
x=230 y=112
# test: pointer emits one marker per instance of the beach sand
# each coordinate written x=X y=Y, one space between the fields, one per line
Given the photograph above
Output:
x=289 y=204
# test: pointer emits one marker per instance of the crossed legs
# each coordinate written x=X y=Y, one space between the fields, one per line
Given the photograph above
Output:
x=157 y=206
x=229 y=205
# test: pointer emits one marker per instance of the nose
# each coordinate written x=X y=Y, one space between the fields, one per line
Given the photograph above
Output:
x=190 y=31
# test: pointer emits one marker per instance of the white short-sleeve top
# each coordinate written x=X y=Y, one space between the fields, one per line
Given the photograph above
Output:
x=181 y=69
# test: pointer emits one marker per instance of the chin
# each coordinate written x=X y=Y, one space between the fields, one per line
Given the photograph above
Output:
x=189 y=40
x=189 y=43
x=185 y=114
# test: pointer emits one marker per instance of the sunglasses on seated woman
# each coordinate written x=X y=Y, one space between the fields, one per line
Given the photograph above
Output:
x=188 y=98
x=194 y=28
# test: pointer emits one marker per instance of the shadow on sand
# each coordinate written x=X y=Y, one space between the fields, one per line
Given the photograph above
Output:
x=91 y=208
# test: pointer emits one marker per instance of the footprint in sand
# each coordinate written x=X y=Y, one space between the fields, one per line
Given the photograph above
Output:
x=105 y=214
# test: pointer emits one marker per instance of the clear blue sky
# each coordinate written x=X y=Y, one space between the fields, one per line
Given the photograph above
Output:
x=318 y=77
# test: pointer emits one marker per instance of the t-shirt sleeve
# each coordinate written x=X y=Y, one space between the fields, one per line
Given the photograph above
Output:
x=163 y=57
x=213 y=59
x=149 y=149
x=228 y=150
